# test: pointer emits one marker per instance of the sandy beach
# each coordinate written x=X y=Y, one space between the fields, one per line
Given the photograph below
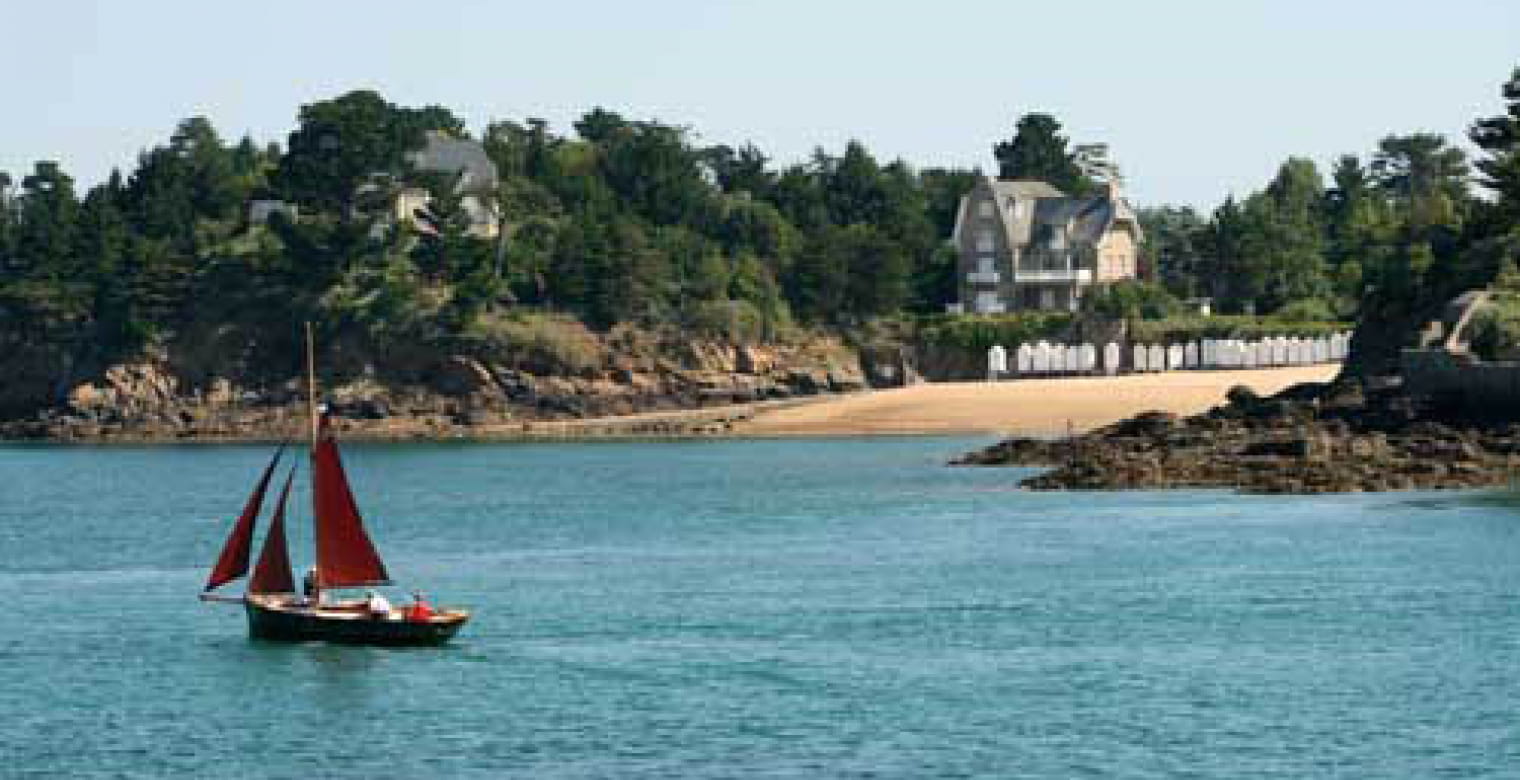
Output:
x=1036 y=406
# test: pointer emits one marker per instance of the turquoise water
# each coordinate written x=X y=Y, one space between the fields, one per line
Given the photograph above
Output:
x=817 y=608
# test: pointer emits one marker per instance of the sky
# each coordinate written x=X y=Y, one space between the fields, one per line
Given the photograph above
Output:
x=1196 y=99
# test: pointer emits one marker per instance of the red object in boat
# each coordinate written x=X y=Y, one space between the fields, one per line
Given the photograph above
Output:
x=419 y=612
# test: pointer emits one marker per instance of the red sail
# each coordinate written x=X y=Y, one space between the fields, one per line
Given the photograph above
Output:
x=345 y=556
x=233 y=562
x=272 y=573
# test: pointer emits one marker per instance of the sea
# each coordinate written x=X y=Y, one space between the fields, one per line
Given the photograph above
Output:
x=798 y=608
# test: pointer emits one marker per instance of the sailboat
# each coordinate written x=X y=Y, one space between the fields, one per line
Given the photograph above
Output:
x=345 y=558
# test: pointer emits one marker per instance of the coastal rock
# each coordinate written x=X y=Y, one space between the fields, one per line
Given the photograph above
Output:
x=414 y=390
x=1363 y=441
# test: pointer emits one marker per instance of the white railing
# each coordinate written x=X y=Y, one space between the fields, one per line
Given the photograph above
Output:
x=1079 y=275
x=984 y=277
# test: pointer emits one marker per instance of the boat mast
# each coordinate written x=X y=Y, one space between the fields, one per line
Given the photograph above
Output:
x=311 y=385
x=311 y=411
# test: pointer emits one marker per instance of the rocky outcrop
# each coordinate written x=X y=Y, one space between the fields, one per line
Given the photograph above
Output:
x=1345 y=438
x=413 y=393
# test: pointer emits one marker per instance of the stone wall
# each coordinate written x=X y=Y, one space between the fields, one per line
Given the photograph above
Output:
x=1445 y=374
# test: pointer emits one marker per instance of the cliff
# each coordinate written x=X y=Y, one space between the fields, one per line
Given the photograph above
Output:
x=197 y=389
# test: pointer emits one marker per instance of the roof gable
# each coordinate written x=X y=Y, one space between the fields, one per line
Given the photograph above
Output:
x=444 y=154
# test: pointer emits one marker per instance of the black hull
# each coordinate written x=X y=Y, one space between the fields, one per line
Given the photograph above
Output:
x=291 y=623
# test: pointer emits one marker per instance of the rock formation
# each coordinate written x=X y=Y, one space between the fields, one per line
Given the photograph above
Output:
x=418 y=394
x=1310 y=439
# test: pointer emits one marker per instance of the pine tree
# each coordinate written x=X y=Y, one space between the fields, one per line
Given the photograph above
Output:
x=1499 y=138
x=1038 y=151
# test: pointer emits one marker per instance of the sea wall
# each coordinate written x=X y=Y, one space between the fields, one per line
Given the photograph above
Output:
x=1461 y=377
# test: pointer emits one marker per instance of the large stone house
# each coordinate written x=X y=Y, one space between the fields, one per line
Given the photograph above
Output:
x=1027 y=245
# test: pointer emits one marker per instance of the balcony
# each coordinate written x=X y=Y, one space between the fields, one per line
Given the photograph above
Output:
x=984 y=277
x=1064 y=275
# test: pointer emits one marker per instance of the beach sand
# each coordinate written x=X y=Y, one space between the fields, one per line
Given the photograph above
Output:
x=1030 y=406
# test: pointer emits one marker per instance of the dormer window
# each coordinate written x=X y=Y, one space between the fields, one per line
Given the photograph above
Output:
x=984 y=241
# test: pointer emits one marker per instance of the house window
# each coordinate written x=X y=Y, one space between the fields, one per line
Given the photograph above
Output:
x=984 y=240
x=984 y=209
x=987 y=302
x=984 y=265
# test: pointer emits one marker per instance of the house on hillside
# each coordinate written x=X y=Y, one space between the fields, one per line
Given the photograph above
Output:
x=261 y=209
x=1027 y=245
x=476 y=184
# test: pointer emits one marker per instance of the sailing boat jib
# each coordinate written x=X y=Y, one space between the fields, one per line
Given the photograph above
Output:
x=233 y=562
x=272 y=574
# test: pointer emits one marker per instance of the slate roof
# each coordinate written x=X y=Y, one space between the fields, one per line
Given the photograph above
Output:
x=1086 y=219
x=445 y=154
x=1024 y=188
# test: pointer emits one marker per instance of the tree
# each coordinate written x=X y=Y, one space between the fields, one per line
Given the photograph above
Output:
x=48 y=224
x=852 y=186
x=741 y=170
x=1360 y=227
x=345 y=142
x=1499 y=138
x=1283 y=241
x=818 y=287
x=1038 y=151
x=878 y=269
x=1425 y=176
x=1171 y=246
x=943 y=189
x=1223 y=244
x=651 y=167
x=104 y=240
x=209 y=168
x=7 y=224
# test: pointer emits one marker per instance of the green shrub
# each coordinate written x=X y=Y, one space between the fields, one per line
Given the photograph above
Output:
x=540 y=342
x=1495 y=331
x=981 y=331
x=1220 y=326
x=1305 y=310
x=736 y=321
x=1131 y=299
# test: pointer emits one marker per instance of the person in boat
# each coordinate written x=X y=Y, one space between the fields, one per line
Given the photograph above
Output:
x=309 y=586
x=420 y=611
x=378 y=605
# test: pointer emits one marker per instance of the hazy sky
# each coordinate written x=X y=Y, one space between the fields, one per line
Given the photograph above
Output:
x=1196 y=99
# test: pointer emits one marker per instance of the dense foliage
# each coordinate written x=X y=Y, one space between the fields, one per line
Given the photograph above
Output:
x=1387 y=235
x=636 y=222
x=625 y=221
